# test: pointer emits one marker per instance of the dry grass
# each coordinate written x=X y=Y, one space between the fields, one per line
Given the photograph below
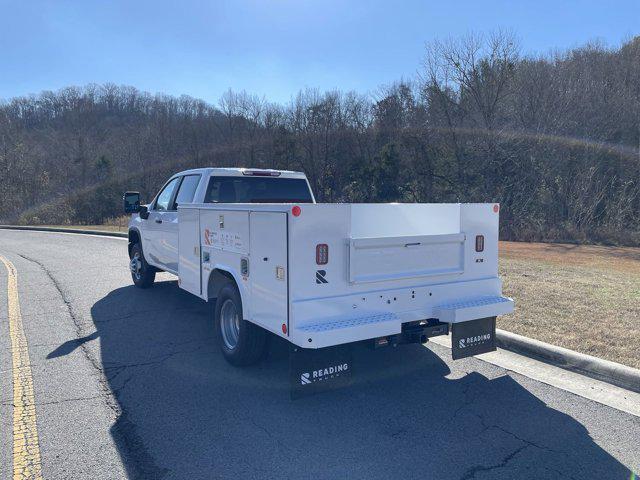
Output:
x=119 y=224
x=586 y=298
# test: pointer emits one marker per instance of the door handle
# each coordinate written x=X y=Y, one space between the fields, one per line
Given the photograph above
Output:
x=158 y=220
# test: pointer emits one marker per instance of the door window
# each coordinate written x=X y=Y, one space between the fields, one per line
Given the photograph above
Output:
x=164 y=197
x=187 y=189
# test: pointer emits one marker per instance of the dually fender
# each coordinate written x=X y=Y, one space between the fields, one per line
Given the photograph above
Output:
x=227 y=271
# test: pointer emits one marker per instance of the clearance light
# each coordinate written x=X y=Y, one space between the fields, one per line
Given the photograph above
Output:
x=322 y=254
x=284 y=328
x=261 y=173
x=479 y=243
x=296 y=211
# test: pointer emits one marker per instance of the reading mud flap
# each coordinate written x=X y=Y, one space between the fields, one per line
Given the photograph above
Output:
x=313 y=371
x=473 y=337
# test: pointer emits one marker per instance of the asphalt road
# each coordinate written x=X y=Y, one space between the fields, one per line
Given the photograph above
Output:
x=130 y=383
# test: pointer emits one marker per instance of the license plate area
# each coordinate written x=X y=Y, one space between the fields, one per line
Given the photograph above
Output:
x=473 y=337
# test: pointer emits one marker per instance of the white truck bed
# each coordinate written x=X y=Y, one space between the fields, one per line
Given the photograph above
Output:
x=388 y=265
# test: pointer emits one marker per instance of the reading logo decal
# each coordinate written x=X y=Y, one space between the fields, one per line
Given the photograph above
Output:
x=320 y=276
x=323 y=374
x=471 y=341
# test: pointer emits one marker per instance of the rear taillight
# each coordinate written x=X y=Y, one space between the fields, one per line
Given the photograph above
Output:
x=322 y=254
x=479 y=243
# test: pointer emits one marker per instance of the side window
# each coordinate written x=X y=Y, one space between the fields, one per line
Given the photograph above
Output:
x=162 y=203
x=187 y=189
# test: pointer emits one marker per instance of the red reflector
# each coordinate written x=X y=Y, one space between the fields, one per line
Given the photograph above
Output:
x=284 y=328
x=322 y=254
x=296 y=211
x=479 y=243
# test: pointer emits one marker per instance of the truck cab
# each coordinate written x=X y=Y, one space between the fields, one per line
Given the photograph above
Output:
x=156 y=225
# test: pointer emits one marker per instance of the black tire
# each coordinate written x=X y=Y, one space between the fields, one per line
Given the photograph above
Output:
x=251 y=340
x=146 y=274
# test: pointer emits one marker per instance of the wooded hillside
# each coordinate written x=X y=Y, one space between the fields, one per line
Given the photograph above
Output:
x=554 y=139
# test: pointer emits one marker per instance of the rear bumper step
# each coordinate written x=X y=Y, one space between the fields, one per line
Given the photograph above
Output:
x=471 y=309
x=340 y=330
x=347 y=330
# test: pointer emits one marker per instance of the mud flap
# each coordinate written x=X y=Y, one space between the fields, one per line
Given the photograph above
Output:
x=313 y=371
x=473 y=337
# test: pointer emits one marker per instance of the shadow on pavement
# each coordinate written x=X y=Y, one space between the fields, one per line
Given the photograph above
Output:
x=186 y=413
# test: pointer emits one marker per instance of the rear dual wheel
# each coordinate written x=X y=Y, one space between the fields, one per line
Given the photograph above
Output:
x=242 y=342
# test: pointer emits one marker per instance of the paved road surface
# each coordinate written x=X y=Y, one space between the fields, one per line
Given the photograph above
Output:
x=130 y=383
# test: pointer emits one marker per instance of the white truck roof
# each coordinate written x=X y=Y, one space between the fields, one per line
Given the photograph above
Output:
x=237 y=172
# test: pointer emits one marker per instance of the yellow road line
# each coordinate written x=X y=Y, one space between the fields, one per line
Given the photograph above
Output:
x=26 y=449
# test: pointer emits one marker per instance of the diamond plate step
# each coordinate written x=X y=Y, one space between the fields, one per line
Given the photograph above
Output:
x=471 y=309
x=351 y=329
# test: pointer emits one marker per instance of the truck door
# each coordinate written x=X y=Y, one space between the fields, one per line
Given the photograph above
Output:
x=169 y=245
x=168 y=240
x=189 y=265
x=269 y=270
x=161 y=225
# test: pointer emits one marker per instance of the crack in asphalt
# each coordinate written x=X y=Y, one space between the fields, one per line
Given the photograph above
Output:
x=133 y=314
x=56 y=402
x=131 y=446
x=470 y=473
x=119 y=368
x=467 y=402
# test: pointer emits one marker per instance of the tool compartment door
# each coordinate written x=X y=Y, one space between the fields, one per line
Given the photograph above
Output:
x=189 y=264
x=393 y=258
x=268 y=269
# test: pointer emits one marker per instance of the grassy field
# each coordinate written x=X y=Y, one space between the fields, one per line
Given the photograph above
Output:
x=582 y=297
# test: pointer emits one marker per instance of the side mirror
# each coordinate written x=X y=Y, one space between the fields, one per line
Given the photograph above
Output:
x=131 y=202
x=144 y=212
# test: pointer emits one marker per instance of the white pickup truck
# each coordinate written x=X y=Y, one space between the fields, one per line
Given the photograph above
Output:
x=320 y=275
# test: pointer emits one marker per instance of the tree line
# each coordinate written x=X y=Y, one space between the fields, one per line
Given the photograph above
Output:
x=554 y=138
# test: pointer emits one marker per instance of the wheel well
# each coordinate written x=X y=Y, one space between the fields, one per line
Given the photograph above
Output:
x=217 y=279
x=134 y=237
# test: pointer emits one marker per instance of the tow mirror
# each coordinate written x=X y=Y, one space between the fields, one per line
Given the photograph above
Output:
x=131 y=202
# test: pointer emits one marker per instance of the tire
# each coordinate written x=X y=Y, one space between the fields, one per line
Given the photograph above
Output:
x=242 y=342
x=142 y=273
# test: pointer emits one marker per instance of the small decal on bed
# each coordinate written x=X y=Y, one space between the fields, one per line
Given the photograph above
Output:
x=320 y=276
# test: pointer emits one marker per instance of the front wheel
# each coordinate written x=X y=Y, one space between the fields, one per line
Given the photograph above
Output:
x=242 y=342
x=142 y=273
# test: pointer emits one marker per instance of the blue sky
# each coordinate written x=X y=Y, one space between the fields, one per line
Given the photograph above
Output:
x=271 y=48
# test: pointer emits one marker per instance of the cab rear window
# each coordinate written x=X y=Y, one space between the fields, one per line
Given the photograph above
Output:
x=257 y=190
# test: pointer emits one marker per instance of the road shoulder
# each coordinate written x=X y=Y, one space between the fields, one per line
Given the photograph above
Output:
x=586 y=387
